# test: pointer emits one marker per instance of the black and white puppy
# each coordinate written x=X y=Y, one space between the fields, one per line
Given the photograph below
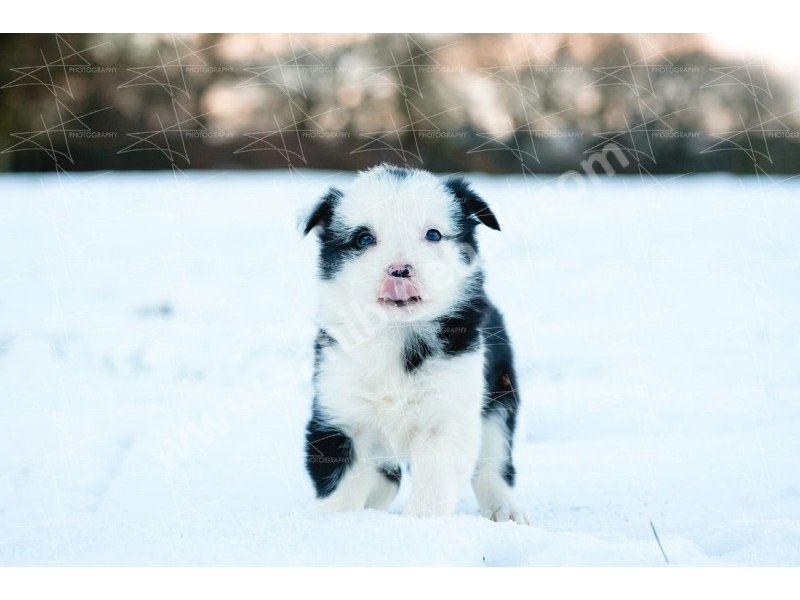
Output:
x=413 y=363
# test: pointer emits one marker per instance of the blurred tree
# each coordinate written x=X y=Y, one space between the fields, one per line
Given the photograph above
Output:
x=499 y=103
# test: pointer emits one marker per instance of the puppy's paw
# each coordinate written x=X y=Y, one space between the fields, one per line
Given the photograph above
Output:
x=507 y=511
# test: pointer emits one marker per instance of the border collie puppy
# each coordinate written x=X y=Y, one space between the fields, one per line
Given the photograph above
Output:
x=413 y=365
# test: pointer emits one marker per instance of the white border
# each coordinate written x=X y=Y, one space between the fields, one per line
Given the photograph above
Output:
x=388 y=583
x=408 y=16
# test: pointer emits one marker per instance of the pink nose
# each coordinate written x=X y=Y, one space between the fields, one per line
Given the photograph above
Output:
x=400 y=270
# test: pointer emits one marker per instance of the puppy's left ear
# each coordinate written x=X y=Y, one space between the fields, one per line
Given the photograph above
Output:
x=471 y=203
x=323 y=211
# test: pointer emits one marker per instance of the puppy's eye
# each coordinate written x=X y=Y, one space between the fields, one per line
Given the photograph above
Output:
x=365 y=239
x=433 y=235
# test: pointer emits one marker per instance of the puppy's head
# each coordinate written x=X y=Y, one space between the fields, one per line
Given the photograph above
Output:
x=398 y=245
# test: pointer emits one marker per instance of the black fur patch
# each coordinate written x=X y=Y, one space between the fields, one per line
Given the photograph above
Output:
x=502 y=398
x=460 y=332
x=336 y=245
x=397 y=172
x=501 y=380
x=329 y=453
x=323 y=213
x=336 y=248
x=392 y=472
x=323 y=340
x=471 y=204
x=508 y=472
x=415 y=351
x=465 y=235
x=464 y=217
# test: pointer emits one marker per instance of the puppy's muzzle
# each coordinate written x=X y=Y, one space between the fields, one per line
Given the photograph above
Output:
x=398 y=287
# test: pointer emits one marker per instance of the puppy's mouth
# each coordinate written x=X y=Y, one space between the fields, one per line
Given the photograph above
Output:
x=400 y=292
x=401 y=303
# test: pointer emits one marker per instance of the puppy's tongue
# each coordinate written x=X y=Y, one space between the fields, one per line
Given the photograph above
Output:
x=398 y=289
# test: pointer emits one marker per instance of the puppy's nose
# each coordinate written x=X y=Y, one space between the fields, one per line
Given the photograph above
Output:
x=400 y=270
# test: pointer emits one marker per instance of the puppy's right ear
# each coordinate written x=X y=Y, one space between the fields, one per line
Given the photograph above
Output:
x=323 y=212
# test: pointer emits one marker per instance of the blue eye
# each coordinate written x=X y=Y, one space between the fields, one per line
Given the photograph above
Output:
x=433 y=235
x=365 y=239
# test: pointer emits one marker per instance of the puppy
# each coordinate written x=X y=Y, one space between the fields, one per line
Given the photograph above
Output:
x=413 y=365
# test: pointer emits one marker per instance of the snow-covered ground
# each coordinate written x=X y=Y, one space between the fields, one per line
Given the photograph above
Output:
x=155 y=362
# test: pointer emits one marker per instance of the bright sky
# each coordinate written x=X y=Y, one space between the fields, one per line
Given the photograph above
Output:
x=776 y=48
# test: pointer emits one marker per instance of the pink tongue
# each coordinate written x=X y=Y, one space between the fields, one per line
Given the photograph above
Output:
x=397 y=289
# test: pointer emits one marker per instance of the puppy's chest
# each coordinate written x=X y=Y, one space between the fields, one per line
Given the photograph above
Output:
x=395 y=379
x=377 y=373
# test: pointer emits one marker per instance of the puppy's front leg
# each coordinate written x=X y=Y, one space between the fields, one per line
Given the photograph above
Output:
x=443 y=456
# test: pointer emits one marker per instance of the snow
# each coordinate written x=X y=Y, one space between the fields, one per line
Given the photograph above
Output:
x=155 y=362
